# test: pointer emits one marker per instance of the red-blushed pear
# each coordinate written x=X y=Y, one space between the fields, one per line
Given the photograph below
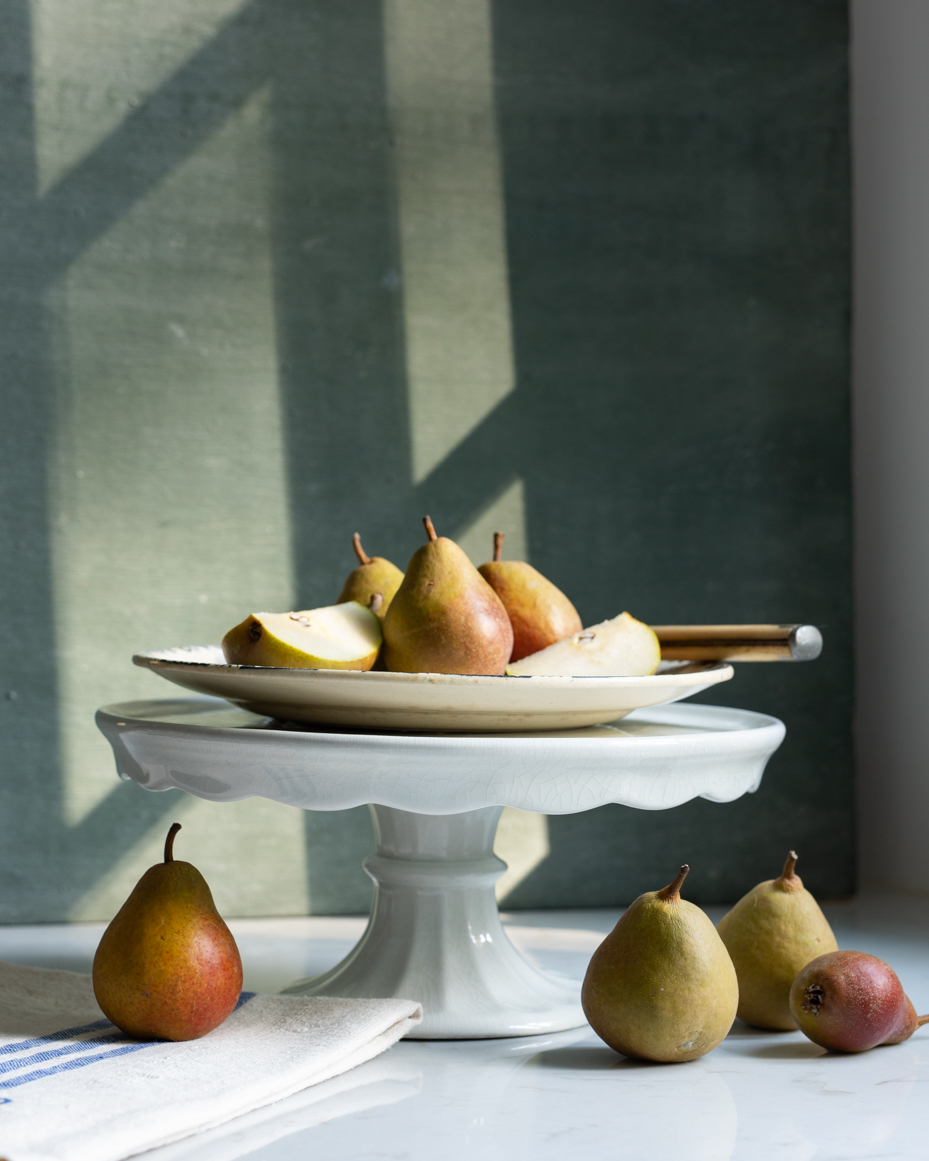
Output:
x=167 y=967
x=445 y=618
x=539 y=612
x=849 y=1001
x=373 y=583
x=771 y=933
x=661 y=986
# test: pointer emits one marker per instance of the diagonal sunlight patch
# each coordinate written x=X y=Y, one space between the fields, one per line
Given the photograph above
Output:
x=168 y=493
x=507 y=514
x=459 y=351
x=220 y=839
x=522 y=843
x=94 y=62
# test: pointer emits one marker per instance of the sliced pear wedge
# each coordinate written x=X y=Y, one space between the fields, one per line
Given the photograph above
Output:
x=623 y=647
x=345 y=636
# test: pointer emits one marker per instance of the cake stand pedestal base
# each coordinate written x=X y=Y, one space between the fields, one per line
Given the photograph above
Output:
x=435 y=935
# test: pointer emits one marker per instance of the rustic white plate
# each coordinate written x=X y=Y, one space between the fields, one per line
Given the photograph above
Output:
x=427 y=701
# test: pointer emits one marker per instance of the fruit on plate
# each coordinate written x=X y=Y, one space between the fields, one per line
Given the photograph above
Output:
x=849 y=1001
x=373 y=583
x=445 y=618
x=623 y=647
x=539 y=612
x=167 y=966
x=771 y=933
x=661 y=986
x=344 y=636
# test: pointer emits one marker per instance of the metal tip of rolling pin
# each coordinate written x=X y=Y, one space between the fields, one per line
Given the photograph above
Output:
x=806 y=643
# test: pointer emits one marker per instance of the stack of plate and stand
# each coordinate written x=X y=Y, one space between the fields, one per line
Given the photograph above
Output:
x=437 y=757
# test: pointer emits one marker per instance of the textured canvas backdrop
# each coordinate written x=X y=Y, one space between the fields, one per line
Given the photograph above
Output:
x=276 y=270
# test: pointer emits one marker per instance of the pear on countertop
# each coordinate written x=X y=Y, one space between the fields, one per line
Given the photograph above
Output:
x=539 y=612
x=345 y=636
x=661 y=986
x=445 y=618
x=849 y=1001
x=373 y=583
x=623 y=647
x=167 y=966
x=771 y=933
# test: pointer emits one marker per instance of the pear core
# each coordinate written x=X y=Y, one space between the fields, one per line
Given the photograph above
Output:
x=346 y=636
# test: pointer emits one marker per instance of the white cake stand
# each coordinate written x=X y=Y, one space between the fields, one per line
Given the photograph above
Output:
x=434 y=933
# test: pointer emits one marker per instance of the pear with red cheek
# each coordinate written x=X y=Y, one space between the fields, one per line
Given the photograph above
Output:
x=849 y=1001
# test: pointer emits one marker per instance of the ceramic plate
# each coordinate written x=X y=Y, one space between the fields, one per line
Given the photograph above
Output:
x=427 y=701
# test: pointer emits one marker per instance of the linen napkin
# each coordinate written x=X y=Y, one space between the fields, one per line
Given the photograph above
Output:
x=75 y=1088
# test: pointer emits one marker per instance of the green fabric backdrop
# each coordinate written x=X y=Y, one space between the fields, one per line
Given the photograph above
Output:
x=274 y=271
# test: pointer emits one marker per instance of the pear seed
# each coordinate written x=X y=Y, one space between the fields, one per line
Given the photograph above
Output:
x=254 y=631
x=586 y=636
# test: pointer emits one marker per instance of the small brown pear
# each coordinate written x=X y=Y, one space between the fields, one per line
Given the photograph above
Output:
x=373 y=583
x=661 y=986
x=539 y=612
x=771 y=933
x=445 y=618
x=167 y=967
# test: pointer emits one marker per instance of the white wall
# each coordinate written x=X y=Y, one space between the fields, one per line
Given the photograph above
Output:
x=890 y=95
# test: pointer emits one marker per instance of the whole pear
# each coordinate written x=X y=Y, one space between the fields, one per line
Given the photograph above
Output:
x=539 y=612
x=771 y=933
x=661 y=986
x=445 y=618
x=373 y=583
x=849 y=1001
x=167 y=967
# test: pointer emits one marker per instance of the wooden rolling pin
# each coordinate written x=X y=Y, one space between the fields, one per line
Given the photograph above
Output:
x=739 y=642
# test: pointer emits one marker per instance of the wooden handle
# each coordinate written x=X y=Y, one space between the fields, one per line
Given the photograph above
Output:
x=739 y=642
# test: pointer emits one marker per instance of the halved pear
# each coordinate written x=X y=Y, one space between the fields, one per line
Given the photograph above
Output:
x=623 y=647
x=346 y=636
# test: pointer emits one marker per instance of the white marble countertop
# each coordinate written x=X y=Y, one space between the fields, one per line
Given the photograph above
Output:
x=759 y=1096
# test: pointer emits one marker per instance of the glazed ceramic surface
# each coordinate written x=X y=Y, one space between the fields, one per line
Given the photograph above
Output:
x=652 y=759
x=434 y=934
x=426 y=701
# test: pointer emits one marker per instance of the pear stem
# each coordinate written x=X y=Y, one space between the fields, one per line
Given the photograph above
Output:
x=359 y=551
x=427 y=521
x=788 y=871
x=498 y=545
x=920 y=1020
x=377 y=599
x=169 y=842
x=672 y=893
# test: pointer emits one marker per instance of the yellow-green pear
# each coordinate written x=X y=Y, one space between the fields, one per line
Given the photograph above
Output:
x=539 y=611
x=344 y=636
x=445 y=618
x=772 y=933
x=373 y=583
x=661 y=986
x=623 y=647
